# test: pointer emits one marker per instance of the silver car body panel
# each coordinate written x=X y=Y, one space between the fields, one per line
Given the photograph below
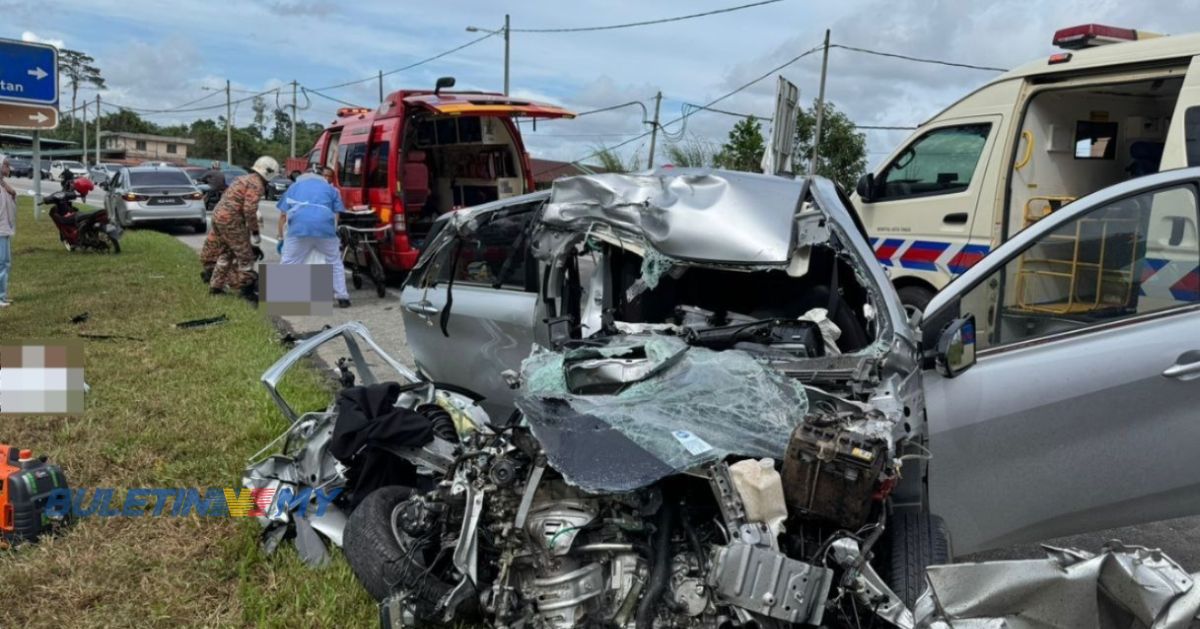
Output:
x=1122 y=586
x=490 y=330
x=1070 y=432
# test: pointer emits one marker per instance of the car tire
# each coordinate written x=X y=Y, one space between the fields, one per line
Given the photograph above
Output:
x=915 y=541
x=915 y=298
x=376 y=558
x=200 y=226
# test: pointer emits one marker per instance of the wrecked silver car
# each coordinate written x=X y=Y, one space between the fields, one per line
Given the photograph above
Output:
x=713 y=424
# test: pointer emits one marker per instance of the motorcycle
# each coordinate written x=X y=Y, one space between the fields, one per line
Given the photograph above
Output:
x=211 y=198
x=88 y=230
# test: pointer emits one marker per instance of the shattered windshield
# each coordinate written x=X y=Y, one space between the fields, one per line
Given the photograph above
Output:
x=643 y=407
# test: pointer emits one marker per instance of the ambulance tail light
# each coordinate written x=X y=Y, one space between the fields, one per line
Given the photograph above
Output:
x=1089 y=35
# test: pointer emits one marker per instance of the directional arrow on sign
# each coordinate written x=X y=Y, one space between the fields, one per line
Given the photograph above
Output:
x=37 y=72
x=17 y=116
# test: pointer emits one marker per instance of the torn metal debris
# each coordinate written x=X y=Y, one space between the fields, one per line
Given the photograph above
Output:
x=1121 y=586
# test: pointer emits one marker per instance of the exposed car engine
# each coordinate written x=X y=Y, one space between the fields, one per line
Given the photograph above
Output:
x=506 y=541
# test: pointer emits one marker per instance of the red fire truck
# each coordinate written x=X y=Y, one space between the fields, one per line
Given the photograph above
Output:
x=422 y=153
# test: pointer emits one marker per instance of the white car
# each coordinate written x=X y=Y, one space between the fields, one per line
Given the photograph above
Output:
x=57 y=168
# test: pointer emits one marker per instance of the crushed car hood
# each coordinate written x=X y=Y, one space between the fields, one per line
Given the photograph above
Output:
x=688 y=216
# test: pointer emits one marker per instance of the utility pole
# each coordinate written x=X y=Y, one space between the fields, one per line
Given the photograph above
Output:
x=293 y=153
x=381 y=86
x=228 y=126
x=506 y=33
x=812 y=163
x=84 y=160
x=97 y=129
x=37 y=173
x=654 y=129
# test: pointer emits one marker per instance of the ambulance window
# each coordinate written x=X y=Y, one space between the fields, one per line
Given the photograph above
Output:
x=350 y=164
x=939 y=162
x=1095 y=140
x=377 y=163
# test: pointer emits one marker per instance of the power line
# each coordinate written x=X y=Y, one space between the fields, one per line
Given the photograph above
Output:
x=644 y=23
x=708 y=104
x=726 y=112
x=375 y=77
x=919 y=59
x=184 y=109
x=307 y=90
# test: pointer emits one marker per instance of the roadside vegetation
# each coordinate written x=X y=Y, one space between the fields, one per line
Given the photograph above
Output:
x=167 y=408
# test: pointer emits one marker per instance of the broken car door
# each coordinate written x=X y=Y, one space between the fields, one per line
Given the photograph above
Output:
x=1080 y=411
x=470 y=311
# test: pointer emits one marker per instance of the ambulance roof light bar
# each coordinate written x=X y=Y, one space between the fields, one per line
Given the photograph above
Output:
x=1090 y=35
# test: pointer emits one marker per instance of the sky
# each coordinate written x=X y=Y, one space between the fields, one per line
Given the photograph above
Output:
x=160 y=55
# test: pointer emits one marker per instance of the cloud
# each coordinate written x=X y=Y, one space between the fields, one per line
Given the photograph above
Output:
x=30 y=36
x=151 y=62
x=300 y=8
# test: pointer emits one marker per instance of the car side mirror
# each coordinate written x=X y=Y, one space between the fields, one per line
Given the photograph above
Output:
x=866 y=187
x=956 y=347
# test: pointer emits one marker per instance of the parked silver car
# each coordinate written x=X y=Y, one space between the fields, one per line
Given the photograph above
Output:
x=155 y=195
x=102 y=172
x=1083 y=327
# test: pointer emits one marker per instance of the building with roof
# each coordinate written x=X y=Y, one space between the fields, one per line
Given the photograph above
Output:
x=145 y=146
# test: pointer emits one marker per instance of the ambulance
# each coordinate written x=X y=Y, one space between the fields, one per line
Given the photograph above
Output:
x=422 y=153
x=1116 y=103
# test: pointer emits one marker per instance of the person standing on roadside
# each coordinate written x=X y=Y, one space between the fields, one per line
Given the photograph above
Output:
x=235 y=234
x=308 y=211
x=8 y=226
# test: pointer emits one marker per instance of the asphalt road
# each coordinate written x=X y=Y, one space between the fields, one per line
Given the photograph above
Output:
x=1179 y=539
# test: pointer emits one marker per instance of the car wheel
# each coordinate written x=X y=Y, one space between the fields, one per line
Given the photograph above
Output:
x=915 y=541
x=201 y=226
x=915 y=299
x=375 y=555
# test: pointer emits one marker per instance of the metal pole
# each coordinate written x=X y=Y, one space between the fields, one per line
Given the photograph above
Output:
x=37 y=173
x=381 y=86
x=84 y=133
x=654 y=129
x=293 y=153
x=812 y=163
x=506 y=33
x=228 y=126
x=97 y=129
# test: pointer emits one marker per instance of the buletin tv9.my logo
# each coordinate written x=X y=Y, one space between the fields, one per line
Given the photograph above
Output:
x=180 y=502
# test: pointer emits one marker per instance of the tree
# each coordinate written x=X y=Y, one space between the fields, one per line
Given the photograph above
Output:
x=744 y=148
x=842 y=155
x=282 y=130
x=692 y=152
x=260 y=115
x=611 y=162
x=77 y=68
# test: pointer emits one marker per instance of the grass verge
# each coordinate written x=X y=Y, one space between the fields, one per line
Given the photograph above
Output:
x=175 y=408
